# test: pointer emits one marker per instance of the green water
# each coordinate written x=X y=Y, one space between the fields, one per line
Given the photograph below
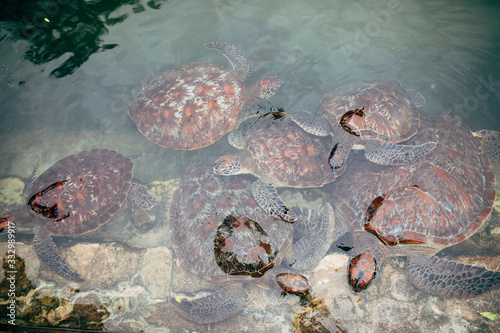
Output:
x=82 y=63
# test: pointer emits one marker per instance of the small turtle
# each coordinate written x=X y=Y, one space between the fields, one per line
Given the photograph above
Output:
x=6 y=75
x=193 y=106
x=74 y=196
x=374 y=116
x=490 y=140
x=418 y=209
x=281 y=154
x=220 y=233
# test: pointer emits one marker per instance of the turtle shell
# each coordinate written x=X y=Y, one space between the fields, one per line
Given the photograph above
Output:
x=81 y=191
x=189 y=107
x=202 y=204
x=280 y=149
x=390 y=113
x=440 y=200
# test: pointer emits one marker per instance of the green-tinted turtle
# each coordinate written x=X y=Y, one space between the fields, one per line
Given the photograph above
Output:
x=74 y=196
x=194 y=105
x=374 y=116
x=418 y=209
x=281 y=154
x=6 y=75
x=220 y=233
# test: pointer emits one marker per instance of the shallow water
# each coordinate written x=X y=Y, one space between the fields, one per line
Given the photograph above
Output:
x=82 y=64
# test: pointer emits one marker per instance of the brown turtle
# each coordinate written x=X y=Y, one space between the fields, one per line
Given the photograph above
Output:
x=374 y=116
x=418 y=209
x=194 y=105
x=74 y=196
x=219 y=232
x=281 y=154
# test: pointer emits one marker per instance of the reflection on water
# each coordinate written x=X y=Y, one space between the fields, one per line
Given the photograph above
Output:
x=76 y=98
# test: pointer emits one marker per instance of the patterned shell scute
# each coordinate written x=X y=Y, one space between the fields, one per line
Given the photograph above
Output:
x=390 y=112
x=97 y=184
x=292 y=157
x=441 y=199
x=201 y=203
x=189 y=107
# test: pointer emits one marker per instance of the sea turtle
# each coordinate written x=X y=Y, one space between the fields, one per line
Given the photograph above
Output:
x=194 y=105
x=490 y=140
x=6 y=75
x=374 y=116
x=74 y=196
x=418 y=209
x=281 y=154
x=220 y=233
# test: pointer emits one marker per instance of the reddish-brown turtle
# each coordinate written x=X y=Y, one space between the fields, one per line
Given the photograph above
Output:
x=194 y=105
x=281 y=153
x=76 y=195
x=220 y=233
x=418 y=209
x=375 y=116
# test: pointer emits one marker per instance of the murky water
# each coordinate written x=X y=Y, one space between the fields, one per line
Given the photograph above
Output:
x=77 y=65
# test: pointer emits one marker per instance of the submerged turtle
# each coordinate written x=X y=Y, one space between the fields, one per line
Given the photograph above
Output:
x=418 y=209
x=374 y=116
x=490 y=140
x=220 y=233
x=281 y=154
x=74 y=196
x=6 y=75
x=194 y=105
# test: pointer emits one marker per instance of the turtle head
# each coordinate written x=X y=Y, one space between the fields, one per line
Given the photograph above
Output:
x=7 y=221
x=361 y=271
x=227 y=165
x=268 y=86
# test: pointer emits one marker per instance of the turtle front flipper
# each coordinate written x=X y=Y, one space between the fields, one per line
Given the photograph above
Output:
x=317 y=230
x=140 y=196
x=219 y=306
x=46 y=250
x=31 y=180
x=239 y=62
x=394 y=154
x=447 y=279
x=310 y=123
x=268 y=199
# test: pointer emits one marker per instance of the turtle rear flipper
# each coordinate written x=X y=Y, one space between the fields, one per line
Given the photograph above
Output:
x=447 y=279
x=268 y=199
x=239 y=62
x=394 y=154
x=213 y=308
x=318 y=230
x=417 y=97
x=46 y=250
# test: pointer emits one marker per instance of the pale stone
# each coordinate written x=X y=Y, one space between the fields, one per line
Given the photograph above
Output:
x=156 y=270
x=28 y=254
x=11 y=190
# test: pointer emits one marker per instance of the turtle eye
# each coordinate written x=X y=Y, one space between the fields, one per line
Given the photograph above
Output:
x=362 y=271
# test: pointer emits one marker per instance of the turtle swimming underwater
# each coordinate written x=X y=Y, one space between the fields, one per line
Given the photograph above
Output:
x=281 y=153
x=193 y=106
x=220 y=233
x=6 y=75
x=374 y=116
x=74 y=196
x=418 y=209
